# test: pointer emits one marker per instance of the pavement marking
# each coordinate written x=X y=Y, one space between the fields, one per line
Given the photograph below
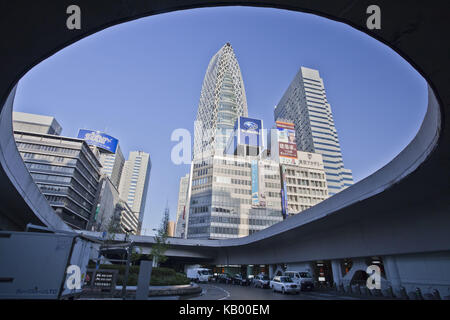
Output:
x=226 y=292
x=332 y=296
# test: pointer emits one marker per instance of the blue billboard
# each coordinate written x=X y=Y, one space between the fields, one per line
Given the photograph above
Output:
x=250 y=131
x=98 y=139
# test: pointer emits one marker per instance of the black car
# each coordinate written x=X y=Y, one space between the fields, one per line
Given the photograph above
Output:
x=224 y=278
x=240 y=280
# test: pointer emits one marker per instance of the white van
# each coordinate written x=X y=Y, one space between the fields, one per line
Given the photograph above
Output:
x=302 y=278
x=199 y=274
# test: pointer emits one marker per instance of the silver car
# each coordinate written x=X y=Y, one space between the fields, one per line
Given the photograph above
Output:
x=261 y=281
x=284 y=285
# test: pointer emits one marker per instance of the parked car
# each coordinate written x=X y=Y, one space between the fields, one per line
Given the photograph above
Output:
x=224 y=278
x=284 y=285
x=302 y=278
x=261 y=281
x=199 y=274
x=250 y=279
x=240 y=280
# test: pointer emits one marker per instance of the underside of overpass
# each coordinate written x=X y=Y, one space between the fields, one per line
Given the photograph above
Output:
x=402 y=210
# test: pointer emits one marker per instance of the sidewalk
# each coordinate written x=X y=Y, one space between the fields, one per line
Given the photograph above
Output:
x=154 y=291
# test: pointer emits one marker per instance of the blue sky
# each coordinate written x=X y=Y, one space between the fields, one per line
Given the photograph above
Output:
x=140 y=80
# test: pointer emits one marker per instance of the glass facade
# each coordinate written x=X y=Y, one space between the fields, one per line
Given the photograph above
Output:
x=221 y=197
x=305 y=104
x=65 y=170
x=135 y=181
x=222 y=100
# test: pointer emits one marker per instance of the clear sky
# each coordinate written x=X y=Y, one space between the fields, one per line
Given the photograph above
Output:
x=140 y=80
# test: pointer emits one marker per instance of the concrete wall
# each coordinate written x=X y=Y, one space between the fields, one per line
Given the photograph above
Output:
x=425 y=271
x=402 y=209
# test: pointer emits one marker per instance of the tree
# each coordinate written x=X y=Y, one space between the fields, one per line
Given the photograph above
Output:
x=113 y=228
x=160 y=246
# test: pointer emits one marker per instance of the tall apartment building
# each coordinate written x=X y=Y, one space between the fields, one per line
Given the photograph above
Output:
x=222 y=100
x=28 y=122
x=305 y=104
x=65 y=170
x=134 y=182
x=108 y=151
x=181 y=206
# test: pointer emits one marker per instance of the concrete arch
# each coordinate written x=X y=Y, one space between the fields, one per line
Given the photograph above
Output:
x=418 y=217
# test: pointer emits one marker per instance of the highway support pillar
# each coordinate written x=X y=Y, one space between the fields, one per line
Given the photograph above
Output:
x=337 y=272
x=392 y=274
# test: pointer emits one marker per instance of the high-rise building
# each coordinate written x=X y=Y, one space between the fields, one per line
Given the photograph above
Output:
x=134 y=182
x=66 y=171
x=305 y=104
x=181 y=207
x=28 y=122
x=233 y=196
x=236 y=193
x=222 y=100
x=112 y=214
x=108 y=151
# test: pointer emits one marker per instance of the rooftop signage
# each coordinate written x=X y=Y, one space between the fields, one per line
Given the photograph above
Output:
x=98 y=139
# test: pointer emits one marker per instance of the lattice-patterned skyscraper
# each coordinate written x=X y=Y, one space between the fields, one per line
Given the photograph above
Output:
x=222 y=100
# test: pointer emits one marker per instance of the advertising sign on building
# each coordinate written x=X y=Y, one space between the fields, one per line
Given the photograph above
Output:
x=250 y=131
x=255 y=180
x=287 y=150
x=284 y=200
x=287 y=145
x=98 y=139
x=305 y=159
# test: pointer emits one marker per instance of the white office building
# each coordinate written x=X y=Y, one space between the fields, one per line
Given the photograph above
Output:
x=305 y=104
x=36 y=123
x=134 y=182
x=305 y=181
x=233 y=196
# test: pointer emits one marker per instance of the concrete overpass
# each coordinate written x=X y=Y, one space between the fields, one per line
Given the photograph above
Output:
x=400 y=213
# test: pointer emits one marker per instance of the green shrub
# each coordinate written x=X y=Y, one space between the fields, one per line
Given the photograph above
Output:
x=160 y=276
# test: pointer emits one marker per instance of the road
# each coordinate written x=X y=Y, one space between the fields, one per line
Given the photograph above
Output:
x=219 y=291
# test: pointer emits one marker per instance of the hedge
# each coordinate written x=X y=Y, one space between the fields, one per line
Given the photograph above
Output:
x=160 y=276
